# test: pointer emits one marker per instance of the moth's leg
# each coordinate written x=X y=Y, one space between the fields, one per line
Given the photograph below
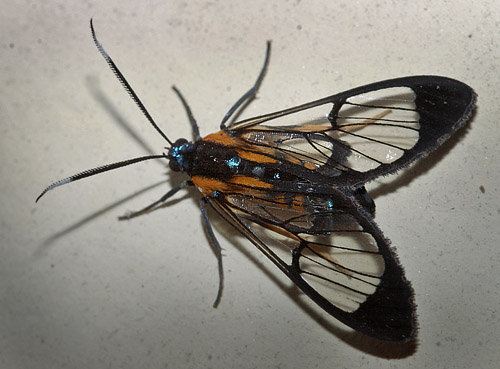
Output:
x=215 y=244
x=164 y=198
x=250 y=94
x=194 y=125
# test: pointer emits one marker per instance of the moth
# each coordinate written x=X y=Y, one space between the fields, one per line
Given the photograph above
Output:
x=293 y=183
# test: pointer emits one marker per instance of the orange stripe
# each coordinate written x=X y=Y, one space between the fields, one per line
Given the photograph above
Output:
x=208 y=185
x=222 y=137
x=311 y=166
x=250 y=182
x=313 y=127
x=244 y=150
x=253 y=156
x=281 y=231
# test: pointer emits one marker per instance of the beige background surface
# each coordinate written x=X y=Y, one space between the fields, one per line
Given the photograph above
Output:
x=79 y=289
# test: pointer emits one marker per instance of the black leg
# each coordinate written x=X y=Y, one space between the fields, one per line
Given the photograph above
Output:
x=164 y=198
x=215 y=244
x=250 y=94
x=194 y=125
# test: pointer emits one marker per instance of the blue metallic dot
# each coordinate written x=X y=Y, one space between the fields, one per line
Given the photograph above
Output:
x=178 y=153
x=234 y=162
x=329 y=204
x=276 y=176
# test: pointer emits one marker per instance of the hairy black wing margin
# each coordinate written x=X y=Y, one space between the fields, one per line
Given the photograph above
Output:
x=334 y=252
x=373 y=130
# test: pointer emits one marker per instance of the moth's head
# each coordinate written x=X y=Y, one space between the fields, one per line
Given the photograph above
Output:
x=180 y=155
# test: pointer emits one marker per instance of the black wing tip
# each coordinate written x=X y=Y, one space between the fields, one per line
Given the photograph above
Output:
x=445 y=106
x=390 y=313
x=393 y=304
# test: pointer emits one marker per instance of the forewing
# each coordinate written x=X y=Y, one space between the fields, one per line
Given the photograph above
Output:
x=366 y=132
x=333 y=252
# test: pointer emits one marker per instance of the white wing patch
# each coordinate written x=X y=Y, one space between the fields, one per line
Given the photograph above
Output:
x=378 y=126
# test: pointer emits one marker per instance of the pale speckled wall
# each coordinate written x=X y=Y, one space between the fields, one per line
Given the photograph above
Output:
x=80 y=289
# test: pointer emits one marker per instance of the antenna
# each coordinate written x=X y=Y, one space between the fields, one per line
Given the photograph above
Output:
x=125 y=84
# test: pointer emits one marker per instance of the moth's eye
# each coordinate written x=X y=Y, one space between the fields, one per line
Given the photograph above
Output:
x=174 y=165
x=180 y=142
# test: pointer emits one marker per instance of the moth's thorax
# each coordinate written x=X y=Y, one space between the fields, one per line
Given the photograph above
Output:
x=204 y=158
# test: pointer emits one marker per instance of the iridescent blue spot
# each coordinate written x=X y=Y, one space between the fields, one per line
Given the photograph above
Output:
x=276 y=175
x=234 y=162
x=329 y=204
x=215 y=193
x=178 y=153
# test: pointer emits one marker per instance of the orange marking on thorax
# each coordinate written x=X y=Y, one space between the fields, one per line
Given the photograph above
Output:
x=223 y=138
